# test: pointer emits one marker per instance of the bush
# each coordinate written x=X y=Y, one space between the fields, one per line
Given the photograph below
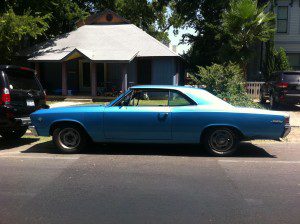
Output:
x=226 y=82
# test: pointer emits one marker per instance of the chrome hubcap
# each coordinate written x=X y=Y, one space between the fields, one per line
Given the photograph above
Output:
x=69 y=138
x=221 y=140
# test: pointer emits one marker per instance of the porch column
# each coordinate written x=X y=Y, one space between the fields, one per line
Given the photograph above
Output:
x=93 y=79
x=37 y=70
x=124 y=77
x=64 y=78
x=176 y=76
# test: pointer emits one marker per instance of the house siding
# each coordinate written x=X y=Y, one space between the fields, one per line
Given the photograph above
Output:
x=51 y=76
x=163 y=71
x=290 y=41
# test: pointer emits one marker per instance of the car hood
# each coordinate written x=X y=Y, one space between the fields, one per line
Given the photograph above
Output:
x=74 y=109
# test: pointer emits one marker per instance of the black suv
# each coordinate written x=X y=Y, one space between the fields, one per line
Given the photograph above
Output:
x=20 y=94
x=282 y=88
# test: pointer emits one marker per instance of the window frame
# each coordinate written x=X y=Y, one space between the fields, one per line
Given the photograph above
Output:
x=286 y=20
x=192 y=102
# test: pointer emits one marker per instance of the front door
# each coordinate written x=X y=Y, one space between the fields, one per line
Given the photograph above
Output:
x=143 y=115
x=84 y=77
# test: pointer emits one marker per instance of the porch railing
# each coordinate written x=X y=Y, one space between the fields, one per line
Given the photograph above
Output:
x=253 y=89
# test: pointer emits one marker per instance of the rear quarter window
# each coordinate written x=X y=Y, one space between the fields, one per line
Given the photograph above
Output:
x=22 y=80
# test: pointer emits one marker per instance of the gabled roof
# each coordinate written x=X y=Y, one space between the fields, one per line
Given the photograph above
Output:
x=105 y=17
x=115 y=42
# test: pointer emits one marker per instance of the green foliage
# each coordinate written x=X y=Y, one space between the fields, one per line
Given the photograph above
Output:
x=226 y=82
x=243 y=25
x=275 y=60
x=151 y=16
x=64 y=13
x=281 y=61
x=203 y=16
x=14 y=28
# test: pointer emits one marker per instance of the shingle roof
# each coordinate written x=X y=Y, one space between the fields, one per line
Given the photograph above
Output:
x=120 y=42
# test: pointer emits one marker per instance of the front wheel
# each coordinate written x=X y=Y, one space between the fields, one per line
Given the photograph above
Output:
x=69 y=139
x=13 y=134
x=221 y=141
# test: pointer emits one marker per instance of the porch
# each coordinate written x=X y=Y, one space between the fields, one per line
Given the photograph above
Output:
x=86 y=78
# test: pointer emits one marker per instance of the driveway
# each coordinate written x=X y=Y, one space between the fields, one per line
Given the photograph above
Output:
x=148 y=184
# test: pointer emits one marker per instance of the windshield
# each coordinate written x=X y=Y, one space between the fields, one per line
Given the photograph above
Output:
x=22 y=80
x=291 y=77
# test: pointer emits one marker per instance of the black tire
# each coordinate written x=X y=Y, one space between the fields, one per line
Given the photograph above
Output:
x=69 y=139
x=221 y=141
x=13 y=134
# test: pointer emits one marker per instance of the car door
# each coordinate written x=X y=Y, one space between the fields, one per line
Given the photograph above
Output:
x=144 y=115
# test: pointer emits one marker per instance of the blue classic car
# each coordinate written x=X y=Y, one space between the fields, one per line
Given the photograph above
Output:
x=160 y=114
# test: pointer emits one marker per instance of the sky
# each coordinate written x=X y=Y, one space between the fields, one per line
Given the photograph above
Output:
x=176 y=39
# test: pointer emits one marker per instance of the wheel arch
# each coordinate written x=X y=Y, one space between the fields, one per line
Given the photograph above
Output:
x=58 y=123
x=237 y=130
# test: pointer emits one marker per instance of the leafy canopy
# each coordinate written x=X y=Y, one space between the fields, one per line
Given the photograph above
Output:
x=14 y=28
x=226 y=82
x=244 y=24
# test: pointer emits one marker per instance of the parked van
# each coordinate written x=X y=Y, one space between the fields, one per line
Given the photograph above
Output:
x=20 y=94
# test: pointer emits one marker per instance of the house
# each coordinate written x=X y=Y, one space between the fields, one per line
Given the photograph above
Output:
x=105 y=52
x=288 y=29
x=287 y=36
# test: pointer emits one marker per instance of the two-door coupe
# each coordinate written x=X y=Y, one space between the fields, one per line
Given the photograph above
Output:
x=160 y=114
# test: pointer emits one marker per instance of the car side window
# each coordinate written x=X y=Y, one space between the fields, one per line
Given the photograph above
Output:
x=177 y=99
x=141 y=98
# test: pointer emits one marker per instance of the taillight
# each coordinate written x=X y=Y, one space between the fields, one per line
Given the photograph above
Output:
x=287 y=120
x=5 y=97
x=282 y=85
x=25 y=69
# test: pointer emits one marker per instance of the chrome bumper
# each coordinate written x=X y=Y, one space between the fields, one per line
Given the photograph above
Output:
x=287 y=130
x=33 y=130
x=24 y=121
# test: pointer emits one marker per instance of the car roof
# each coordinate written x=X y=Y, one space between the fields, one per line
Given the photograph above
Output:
x=180 y=88
x=15 y=67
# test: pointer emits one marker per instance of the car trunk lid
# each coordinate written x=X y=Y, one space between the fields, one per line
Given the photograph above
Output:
x=293 y=82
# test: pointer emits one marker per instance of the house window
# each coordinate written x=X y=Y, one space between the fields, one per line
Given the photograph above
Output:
x=282 y=19
x=294 y=60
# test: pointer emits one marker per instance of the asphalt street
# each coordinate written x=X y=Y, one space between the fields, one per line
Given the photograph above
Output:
x=149 y=184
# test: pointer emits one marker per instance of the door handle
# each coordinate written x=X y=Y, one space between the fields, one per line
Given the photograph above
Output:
x=162 y=116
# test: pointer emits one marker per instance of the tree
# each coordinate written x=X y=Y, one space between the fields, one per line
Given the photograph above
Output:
x=226 y=82
x=281 y=61
x=203 y=16
x=64 y=13
x=14 y=28
x=275 y=60
x=245 y=24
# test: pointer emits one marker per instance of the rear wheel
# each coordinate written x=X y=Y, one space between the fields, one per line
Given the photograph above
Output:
x=69 y=139
x=221 y=141
x=13 y=134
